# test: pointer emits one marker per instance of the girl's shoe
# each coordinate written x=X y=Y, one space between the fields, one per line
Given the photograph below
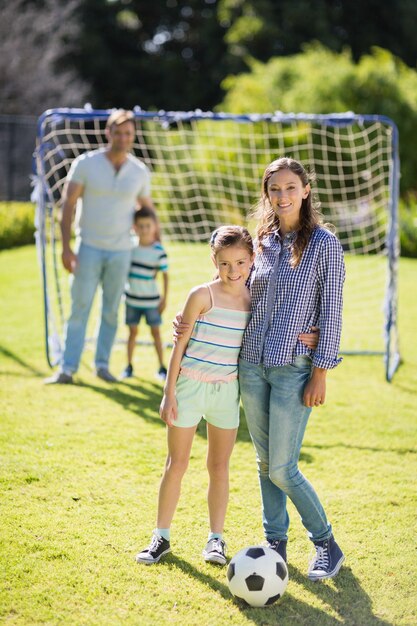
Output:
x=127 y=372
x=215 y=551
x=155 y=551
x=162 y=373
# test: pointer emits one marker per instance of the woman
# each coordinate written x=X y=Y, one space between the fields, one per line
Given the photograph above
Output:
x=296 y=284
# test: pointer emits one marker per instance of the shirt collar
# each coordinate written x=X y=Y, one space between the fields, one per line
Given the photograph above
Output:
x=288 y=239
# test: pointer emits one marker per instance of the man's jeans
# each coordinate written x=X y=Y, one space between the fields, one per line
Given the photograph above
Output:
x=277 y=418
x=95 y=267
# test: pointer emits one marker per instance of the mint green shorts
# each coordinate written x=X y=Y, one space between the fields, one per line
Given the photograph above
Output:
x=218 y=403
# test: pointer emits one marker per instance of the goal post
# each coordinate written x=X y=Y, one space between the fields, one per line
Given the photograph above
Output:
x=206 y=170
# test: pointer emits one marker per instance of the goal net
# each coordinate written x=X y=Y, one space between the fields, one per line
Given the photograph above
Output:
x=206 y=171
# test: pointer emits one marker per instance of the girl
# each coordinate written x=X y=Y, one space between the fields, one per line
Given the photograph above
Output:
x=296 y=283
x=202 y=381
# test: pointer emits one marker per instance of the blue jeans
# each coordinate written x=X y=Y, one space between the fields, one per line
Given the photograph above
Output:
x=95 y=267
x=277 y=418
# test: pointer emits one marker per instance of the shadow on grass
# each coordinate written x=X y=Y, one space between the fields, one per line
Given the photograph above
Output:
x=344 y=595
x=411 y=388
x=144 y=400
x=6 y=352
x=347 y=446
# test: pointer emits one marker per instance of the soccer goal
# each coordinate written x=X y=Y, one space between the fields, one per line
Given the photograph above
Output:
x=206 y=171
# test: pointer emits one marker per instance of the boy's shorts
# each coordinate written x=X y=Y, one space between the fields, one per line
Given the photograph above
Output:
x=134 y=315
x=218 y=403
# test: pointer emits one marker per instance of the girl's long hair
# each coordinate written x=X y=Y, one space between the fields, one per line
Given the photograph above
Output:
x=268 y=220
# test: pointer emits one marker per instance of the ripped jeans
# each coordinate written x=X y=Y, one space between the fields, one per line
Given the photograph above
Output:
x=277 y=418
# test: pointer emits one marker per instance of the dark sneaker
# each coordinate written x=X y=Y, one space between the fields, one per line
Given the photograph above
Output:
x=215 y=551
x=279 y=545
x=155 y=551
x=127 y=372
x=328 y=560
x=162 y=373
x=59 y=378
x=104 y=374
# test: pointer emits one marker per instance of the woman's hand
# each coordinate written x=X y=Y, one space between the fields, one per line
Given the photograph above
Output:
x=310 y=339
x=168 y=411
x=179 y=327
x=315 y=390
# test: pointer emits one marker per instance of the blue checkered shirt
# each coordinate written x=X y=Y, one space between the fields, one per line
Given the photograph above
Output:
x=288 y=301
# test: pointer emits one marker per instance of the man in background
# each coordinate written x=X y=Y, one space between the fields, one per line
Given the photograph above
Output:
x=106 y=186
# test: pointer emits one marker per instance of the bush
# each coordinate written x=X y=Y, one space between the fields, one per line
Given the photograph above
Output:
x=408 y=226
x=17 y=226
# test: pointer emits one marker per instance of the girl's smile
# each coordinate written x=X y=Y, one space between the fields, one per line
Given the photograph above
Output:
x=233 y=264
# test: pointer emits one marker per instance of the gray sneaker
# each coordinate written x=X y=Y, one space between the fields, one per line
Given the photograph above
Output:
x=215 y=551
x=104 y=374
x=59 y=378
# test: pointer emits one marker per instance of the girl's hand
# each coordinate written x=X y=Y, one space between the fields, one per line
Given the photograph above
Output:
x=168 y=411
x=310 y=339
x=315 y=390
x=162 y=305
x=179 y=327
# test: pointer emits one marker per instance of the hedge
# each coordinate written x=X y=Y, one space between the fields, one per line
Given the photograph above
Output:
x=17 y=224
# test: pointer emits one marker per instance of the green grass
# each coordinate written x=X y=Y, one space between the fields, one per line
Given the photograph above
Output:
x=80 y=468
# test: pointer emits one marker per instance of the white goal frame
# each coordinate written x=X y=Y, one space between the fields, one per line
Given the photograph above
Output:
x=360 y=150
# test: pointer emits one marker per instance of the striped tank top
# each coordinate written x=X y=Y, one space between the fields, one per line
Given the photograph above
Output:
x=213 y=349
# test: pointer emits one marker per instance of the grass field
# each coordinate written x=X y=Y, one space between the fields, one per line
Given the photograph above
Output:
x=80 y=468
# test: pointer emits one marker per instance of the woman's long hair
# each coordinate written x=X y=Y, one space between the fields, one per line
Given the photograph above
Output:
x=268 y=220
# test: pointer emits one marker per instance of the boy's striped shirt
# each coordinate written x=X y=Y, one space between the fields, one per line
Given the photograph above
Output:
x=142 y=289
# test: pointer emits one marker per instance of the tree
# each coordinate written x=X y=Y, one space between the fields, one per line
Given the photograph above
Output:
x=162 y=54
x=34 y=38
x=265 y=28
x=174 y=54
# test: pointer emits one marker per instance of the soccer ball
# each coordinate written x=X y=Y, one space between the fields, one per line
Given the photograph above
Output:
x=257 y=575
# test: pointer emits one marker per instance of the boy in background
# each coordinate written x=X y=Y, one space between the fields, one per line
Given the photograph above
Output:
x=142 y=292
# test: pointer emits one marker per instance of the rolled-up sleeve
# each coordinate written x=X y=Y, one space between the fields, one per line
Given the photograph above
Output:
x=331 y=277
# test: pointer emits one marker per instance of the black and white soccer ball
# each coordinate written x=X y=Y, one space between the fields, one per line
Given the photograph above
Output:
x=257 y=575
